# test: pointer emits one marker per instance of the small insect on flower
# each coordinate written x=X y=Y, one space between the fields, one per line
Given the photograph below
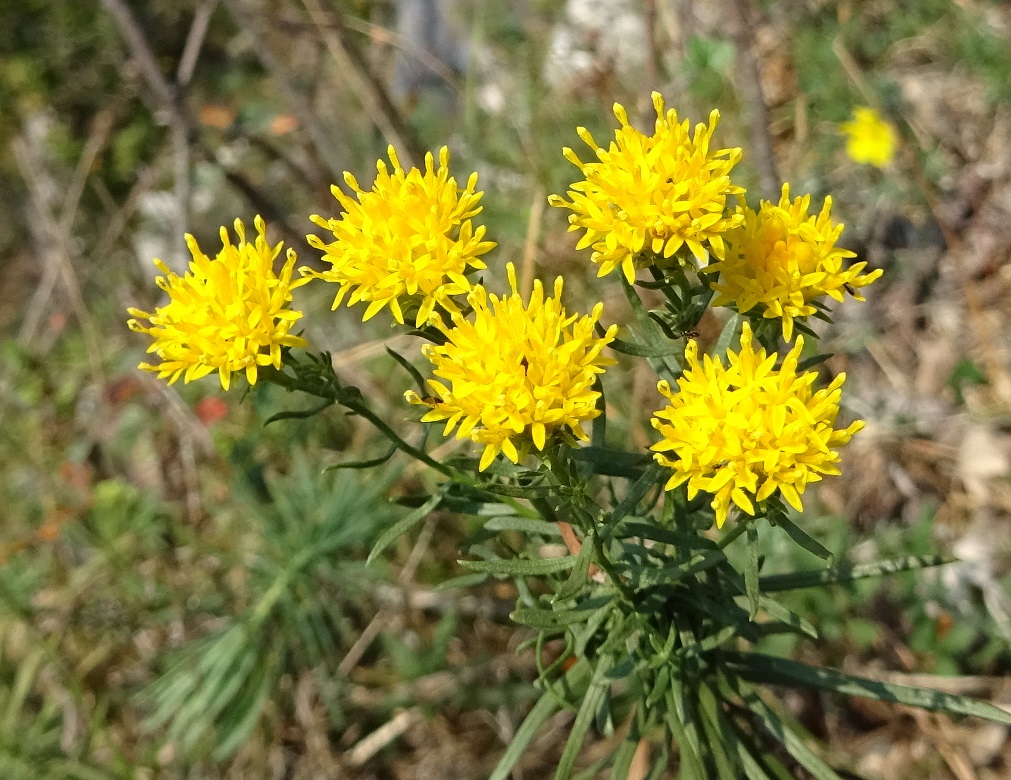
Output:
x=229 y=314
x=514 y=375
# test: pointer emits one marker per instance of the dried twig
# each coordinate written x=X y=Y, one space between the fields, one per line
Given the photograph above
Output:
x=383 y=736
x=53 y=243
x=368 y=89
x=279 y=76
x=749 y=82
x=167 y=102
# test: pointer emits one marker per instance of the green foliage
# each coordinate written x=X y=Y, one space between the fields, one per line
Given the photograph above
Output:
x=304 y=586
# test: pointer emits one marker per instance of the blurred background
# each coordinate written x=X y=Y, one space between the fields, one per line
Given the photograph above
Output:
x=183 y=591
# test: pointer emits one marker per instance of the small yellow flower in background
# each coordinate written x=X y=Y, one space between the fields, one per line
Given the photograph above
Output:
x=745 y=431
x=781 y=258
x=870 y=140
x=652 y=193
x=411 y=235
x=229 y=314
x=516 y=374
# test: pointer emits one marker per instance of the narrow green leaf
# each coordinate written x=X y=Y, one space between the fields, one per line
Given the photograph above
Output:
x=757 y=667
x=811 y=362
x=580 y=572
x=659 y=687
x=683 y=722
x=850 y=572
x=802 y=538
x=523 y=525
x=233 y=738
x=358 y=465
x=463 y=581
x=590 y=629
x=635 y=494
x=644 y=350
x=623 y=756
x=518 y=491
x=794 y=745
x=598 y=428
x=727 y=335
x=402 y=526
x=548 y=619
x=300 y=414
x=720 y=739
x=612 y=463
x=658 y=533
x=708 y=643
x=522 y=567
x=751 y=571
x=592 y=700
x=406 y=364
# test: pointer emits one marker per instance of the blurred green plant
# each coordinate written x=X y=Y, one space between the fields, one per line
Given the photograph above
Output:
x=305 y=582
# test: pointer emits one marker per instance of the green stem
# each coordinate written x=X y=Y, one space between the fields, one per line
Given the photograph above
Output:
x=740 y=528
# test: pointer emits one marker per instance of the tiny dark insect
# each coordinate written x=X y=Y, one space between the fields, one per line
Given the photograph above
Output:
x=431 y=400
x=849 y=288
x=692 y=335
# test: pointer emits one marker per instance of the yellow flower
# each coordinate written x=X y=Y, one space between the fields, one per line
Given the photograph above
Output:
x=745 y=431
x=228 y=314
x=652 y=194
x=516 y=374
x=782 y=259
x=411 y=235
x=870 y=140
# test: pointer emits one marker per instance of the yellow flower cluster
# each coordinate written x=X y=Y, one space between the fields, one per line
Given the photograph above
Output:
x=870 y=140
x=744 y=431
x=516 y=374
x=652 y=194
x=410 y=236
x=229 y=314
x=782 y=258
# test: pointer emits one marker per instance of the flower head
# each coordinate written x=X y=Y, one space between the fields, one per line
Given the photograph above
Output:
x=410 y=235
x=782 y=258
x=870 y=140
x=227 y=315
x=652 y=193
x=745 y=431
x=516 y=374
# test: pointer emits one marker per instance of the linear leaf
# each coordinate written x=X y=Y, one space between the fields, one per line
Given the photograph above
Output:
x=794 y=745
x=402 y=526
x=635 y=494
x=592 y=700
x=850 y=572
x=522 y=524
x=406 y=364
x=358 y=465
x=767 y=669
x=644 y=350
x=805 y=540
x=612 y=463
x=726 y=338
x=580 y=572
x=542 y=710
x=522 y=567
x=549 y=619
